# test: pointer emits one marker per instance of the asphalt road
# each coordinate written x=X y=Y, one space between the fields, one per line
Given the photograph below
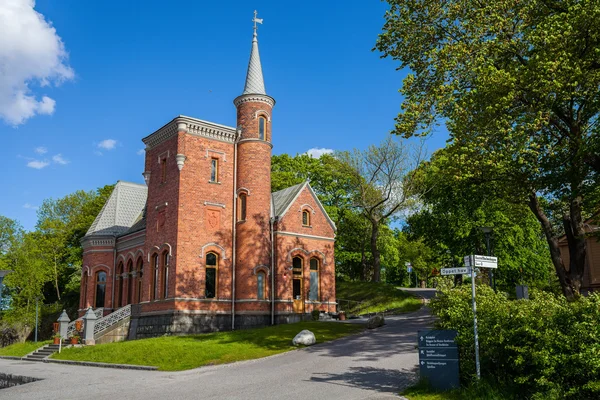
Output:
x=376 y=364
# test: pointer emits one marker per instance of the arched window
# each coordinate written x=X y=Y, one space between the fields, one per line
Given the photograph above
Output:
x=306 y=218
x=129 y=282
x=154 y=277
x=100 y=288
x=85 y=290
x=139 y=272
x=165 y=274
x=313 y=293
x=119 y=278
x=262 y=127
x=242 y=206
x=297 y=277
x=212 y=264
x=260 y=285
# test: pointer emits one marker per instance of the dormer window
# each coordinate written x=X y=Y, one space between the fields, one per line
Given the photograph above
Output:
x=305 y=218
x=262 y=127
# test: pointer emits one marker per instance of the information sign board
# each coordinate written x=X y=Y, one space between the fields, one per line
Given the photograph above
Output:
x=438 y=358
x=455 y=271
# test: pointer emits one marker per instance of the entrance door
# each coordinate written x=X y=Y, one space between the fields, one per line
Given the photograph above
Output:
x=298 y=299
x=297 y=293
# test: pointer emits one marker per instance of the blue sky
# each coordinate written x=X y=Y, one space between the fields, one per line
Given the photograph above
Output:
x=134 y=65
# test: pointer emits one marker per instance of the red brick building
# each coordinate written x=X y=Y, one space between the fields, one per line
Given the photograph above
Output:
x=205 y=245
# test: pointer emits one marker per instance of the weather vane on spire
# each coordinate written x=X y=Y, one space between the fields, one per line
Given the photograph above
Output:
x=256 y=20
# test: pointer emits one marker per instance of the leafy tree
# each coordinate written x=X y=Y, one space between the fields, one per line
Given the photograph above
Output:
x=517 y=83
x=454 y=211
x=383 y=186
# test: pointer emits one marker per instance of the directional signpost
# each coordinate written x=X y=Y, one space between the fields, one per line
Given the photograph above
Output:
x=438 y=358
x=455 y=271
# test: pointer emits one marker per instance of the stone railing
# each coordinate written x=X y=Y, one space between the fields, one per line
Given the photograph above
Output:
x=112 y=318
x=98 y=312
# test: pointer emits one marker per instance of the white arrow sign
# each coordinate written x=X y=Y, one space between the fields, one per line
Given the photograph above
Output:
x=455 y=271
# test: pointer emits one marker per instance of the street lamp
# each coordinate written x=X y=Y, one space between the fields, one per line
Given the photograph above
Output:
x=487 y=231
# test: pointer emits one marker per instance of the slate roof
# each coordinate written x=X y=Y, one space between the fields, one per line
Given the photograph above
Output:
x=121 y=211
x=255 y=83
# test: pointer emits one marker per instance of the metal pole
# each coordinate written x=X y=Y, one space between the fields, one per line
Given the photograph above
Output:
x=36 y=318
x=478 y=367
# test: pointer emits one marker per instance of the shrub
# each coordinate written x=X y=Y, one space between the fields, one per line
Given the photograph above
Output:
x=315 y=315
x=545 y=347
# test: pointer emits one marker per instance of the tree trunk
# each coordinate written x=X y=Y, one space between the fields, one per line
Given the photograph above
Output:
x=576 y=241
x=56 y=278
x=375 y=251
x=552 y=240
x=363 y=260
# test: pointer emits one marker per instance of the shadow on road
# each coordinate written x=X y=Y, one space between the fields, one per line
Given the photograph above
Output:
x=378 y=379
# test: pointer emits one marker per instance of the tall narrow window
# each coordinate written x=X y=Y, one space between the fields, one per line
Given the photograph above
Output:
x=260 y=285
x=119 y=290
x=100 y=288
x=306 y=218
x=139 y=275
x=154 y=286
x=262 y=127
x=214 y=169
x=129 y=282
x=165 y=275
x=212 y=264
x=297 y=280
x=163 y=170
x=313 y=293
x=242 y=212
x=85 y=290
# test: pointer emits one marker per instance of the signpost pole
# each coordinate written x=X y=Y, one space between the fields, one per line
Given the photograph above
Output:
x=478 y=367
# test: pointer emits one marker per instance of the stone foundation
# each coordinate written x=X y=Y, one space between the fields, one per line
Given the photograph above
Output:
x=185 y=323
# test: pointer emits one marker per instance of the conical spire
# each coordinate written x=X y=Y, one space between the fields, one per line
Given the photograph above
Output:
x=255 y=83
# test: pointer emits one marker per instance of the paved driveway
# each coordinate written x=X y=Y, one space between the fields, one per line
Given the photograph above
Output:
x=374 y=365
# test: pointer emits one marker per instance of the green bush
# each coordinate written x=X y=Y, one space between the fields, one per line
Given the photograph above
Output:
x=545 y=347
x=315 y=315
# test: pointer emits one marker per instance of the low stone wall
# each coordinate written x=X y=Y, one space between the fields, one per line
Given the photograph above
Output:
x=116 y=333
x=182 y=323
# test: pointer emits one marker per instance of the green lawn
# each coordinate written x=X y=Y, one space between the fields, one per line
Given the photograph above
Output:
x=21 y=349
x=477 y=391
x=174 y=353
x=375 y=297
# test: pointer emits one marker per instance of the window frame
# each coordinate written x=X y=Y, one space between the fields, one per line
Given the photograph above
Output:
x=318 y=272
x=97 y=282
x=165 y=274
x=307 y=213
x=163 y=170
x=214 y=168
x=216 y=271
x=129 y=282
x=154 y=278
x=260 y=286
x=262 y=125
x=298 y=274
x=139 y=274
x=242 y=206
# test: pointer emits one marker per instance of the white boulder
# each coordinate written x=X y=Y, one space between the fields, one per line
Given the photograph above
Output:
x=305 y=337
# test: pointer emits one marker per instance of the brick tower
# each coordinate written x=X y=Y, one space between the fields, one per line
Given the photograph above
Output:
x=253 y=186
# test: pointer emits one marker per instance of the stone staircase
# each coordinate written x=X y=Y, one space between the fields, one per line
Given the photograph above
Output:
x=42 y=353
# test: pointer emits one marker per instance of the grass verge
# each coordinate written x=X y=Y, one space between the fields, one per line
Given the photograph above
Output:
x=375 y=297
x=21 y=349
x=175 y=353
x=477 y=391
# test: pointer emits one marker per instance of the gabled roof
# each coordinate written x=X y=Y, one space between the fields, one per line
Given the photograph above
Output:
x=282 y=200
x=121 y=211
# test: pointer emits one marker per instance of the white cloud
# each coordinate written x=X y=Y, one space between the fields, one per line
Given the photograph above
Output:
x=107 y=144
x=59 y=159
x=30 y=207
x=41 y=150
x=316 y=152
x=38 y=164
x=140 y=152
x=32 y=55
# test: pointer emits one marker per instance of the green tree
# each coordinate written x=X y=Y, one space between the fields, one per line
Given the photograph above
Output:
x=517 y=83
x=383 y=186
x=454 y=211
